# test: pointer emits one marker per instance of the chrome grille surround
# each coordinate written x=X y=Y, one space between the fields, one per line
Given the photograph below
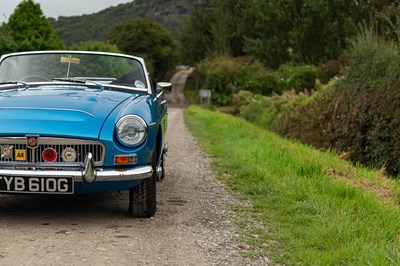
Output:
x=34 y=155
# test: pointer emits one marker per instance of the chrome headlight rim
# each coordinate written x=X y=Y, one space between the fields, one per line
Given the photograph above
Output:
x=141 y=122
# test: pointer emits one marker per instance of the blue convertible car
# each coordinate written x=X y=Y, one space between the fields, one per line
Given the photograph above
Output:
x=74 y=122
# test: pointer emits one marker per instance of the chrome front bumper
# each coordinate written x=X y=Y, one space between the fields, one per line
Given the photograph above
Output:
x=88 y=174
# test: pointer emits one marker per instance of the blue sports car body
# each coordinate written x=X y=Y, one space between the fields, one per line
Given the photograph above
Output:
x=74 y=122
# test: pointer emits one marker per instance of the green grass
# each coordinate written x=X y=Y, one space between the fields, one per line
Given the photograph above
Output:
x=308 y=207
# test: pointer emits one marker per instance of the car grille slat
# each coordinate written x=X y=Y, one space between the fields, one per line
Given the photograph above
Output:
x=34 y=155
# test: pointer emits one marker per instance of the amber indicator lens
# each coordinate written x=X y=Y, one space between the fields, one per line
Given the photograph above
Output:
x=122 y=159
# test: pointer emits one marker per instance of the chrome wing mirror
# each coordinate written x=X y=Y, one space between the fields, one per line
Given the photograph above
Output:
x=162 y=87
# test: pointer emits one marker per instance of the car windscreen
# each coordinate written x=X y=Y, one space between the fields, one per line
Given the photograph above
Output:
x=101 y=68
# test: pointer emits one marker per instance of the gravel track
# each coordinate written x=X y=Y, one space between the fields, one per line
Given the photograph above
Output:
x=192 y=226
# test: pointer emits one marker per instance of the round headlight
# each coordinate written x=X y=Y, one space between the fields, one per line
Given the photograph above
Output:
x=131 y=130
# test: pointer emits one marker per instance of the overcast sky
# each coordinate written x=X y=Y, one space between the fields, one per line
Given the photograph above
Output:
x=56 y=8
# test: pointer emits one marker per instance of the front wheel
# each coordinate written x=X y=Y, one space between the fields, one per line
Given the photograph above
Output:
x=142 y=198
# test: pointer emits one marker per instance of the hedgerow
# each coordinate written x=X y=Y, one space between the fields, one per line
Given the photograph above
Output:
x=363 y=117
x=360 y=114
x=225 y=76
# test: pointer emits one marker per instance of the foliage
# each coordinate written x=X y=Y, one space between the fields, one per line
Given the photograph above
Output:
x=358 y=114
x=256 y=78
x=362 y=117
x=307 y=207
x=269 y=112
x=171 y=14
x=147 y=39
x=225 y=75
x=7 y=44
x=210 y=31
x=28 y=27
x=332 y=68
x=264 y=27
x=194 y=39
x=96 y=46
x=275 y=32
x=299 y=78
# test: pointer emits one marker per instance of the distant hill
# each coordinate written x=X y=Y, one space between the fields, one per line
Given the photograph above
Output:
x=168 y=13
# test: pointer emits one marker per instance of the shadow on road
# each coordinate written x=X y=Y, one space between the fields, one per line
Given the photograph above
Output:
x=106 y=205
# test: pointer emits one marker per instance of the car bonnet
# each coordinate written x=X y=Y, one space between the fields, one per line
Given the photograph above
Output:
x=76 y=112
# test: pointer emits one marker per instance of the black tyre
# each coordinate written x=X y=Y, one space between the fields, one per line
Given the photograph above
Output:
x=142 y=198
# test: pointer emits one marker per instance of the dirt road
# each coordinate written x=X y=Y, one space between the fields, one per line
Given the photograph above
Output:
x=192 y=225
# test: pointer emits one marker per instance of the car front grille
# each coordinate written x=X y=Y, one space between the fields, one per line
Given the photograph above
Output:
x=34 y=156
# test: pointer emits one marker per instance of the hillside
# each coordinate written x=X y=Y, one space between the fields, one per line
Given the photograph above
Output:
x=168 y=13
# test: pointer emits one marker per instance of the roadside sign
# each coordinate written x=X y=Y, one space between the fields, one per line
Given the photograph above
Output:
x=205 y=94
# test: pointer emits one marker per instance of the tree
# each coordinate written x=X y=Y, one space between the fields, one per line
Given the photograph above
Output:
x=211 y=30
x=383 y=16
x=30 y=29
x=279 y=31
x=320 y=29
x=7 y=44
x=265 y=27
x=144 y=38
x=96 y=46
x=304 y=31
x=195 y=38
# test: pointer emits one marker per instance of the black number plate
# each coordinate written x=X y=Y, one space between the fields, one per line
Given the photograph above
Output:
x=40 y=185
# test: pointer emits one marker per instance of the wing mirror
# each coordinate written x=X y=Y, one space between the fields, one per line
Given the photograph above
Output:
x=164 y=87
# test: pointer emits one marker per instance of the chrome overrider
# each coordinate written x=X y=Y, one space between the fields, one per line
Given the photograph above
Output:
x=88 y=173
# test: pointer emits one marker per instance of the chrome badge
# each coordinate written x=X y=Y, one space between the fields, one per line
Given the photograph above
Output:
x=68 y=155
x=32 y=141
x=6 y=152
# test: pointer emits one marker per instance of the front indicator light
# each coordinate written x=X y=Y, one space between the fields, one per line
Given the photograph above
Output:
x=125 y=159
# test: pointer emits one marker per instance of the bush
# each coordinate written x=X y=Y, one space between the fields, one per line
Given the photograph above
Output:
x=332 y=68
x=364 y=116
x=227 y=75
x=257 y=79
x=360 y=114
x=299 y=78
x=253 y=108
x=357 y=113
x=273 y=112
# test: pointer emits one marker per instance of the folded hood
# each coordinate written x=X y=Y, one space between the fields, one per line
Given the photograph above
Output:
x=57 y=111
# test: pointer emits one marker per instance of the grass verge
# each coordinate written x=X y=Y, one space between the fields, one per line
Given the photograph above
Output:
x=309 y=207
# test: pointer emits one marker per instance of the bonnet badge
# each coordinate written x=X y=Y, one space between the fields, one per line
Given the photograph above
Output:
x=32 y=141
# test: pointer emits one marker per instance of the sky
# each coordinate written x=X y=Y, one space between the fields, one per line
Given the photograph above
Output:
x=56 y=8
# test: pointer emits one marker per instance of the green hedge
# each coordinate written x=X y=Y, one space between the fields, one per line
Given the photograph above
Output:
x=298 y=78
x=363 y=117
x=361 y=114
x=227 y=75
x=268 y=112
